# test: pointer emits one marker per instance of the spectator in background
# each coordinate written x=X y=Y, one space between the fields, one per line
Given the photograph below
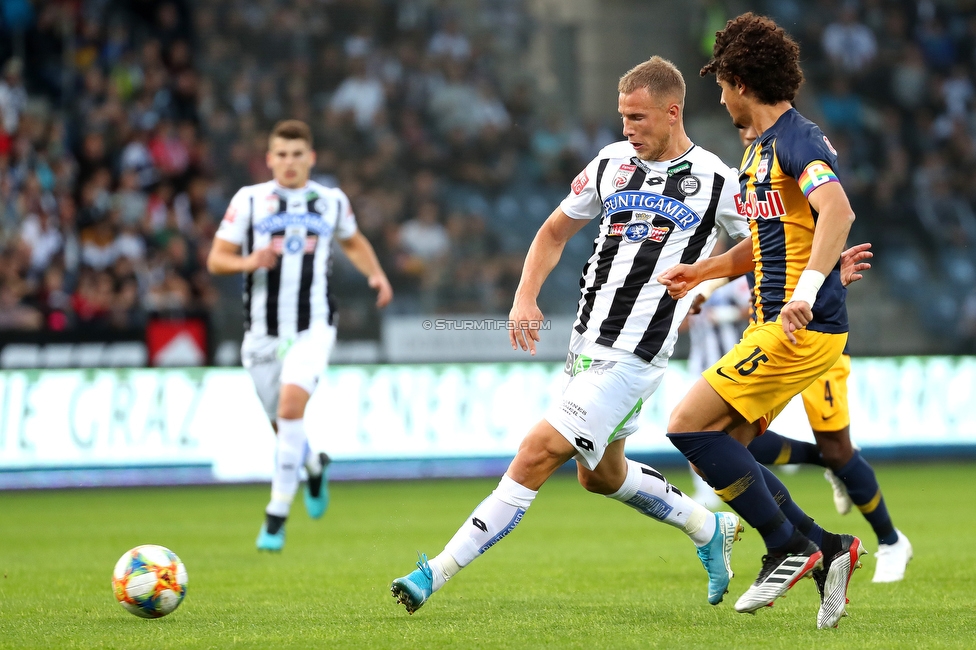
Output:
x=13 y=95
x=842 y=109
x=849 y=44
x=424 y=236
x=40 y=232
x=426 y=244
x=14 y=314
x=360 y=96
x=587 y=140
x=937 y=44
x=450 y=42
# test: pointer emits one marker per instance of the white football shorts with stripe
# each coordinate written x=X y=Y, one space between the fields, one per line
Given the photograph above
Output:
x=273 y=361
x=601 y=401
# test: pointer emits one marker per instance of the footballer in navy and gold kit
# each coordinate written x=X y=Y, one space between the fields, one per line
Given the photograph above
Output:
x=799 y=218
x=763 y=372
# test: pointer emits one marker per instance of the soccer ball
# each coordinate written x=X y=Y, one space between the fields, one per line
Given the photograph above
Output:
x=149 y=581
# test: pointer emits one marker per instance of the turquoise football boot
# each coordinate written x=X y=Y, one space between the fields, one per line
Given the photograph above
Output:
x=716 y=555
x=413 y=590
x=269 y=542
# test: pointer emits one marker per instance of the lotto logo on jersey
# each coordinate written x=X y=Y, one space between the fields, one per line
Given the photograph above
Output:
x=580 y=182
x=623 y=176
x=769 y=208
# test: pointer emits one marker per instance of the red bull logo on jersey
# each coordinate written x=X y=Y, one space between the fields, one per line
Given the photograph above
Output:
x=769 y=208
x=673 y=210
x=623 y=175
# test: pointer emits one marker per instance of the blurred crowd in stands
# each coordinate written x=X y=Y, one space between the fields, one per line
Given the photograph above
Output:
x=126 y=126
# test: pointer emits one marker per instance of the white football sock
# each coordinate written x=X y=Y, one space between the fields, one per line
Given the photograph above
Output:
x=647 y=491
x=289 y=454
x=313 y=464
x=494 y=518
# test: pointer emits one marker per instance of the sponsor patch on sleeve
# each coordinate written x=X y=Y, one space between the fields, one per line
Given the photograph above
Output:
x=231 y=213
x=829 y=146
x=816 y=174
x=580 y=182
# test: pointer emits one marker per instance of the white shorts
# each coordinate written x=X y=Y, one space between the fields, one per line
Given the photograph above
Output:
x=300 y=360
x=601 y=398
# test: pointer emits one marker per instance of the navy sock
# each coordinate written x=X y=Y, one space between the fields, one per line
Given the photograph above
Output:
x=865 y=492
x=773 y=449
x=736 y=476
x=793 y=512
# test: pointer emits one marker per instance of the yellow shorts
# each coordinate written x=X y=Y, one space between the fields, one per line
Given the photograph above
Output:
x=764 y=371
x=825 y=400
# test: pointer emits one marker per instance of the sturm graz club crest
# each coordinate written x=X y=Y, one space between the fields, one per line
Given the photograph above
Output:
x=689 y=185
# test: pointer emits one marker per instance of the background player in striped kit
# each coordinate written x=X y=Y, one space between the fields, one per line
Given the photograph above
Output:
x=660 y=199
x=279 y=235
x=799 y=217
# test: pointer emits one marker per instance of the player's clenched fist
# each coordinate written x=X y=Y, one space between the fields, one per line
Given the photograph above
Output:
x=795 y=316
x=262 y=258
x=680 y=279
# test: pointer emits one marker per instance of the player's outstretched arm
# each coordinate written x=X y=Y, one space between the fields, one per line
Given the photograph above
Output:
x=544 y=253
x=851 y=263
x=225 y=258
x=360 y=252
x=682 y=278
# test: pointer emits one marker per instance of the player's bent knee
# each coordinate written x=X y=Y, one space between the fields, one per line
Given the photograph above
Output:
x=836 y=456
x=835 y=447
x=680 y=422
x=597 y=483
x=292 y=401
x=541 y=453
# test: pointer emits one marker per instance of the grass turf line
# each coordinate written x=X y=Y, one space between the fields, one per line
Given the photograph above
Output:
x=580 y=571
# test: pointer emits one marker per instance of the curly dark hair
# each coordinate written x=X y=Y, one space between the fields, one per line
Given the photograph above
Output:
x=760 y=53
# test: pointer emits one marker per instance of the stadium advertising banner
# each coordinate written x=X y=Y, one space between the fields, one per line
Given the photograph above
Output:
x=149 y=426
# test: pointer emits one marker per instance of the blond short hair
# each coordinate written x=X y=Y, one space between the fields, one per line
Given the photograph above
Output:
x=659 y=76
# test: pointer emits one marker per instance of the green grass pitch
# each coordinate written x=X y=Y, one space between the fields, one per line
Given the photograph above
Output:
x=580 y=571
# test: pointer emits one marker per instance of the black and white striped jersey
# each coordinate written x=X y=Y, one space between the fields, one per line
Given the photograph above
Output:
x=300 y=224
x=653 y=215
